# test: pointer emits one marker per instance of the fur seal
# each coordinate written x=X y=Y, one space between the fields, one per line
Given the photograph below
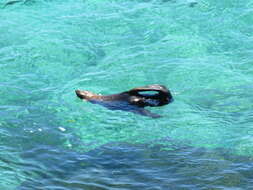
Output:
x=133 y=100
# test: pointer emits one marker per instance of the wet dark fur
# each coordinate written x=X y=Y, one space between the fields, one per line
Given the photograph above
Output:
x=133 y=100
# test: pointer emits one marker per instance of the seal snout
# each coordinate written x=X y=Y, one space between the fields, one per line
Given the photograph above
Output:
x=84 y=94
x=79 y=94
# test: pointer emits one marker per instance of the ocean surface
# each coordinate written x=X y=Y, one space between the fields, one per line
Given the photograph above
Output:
x=202 y=50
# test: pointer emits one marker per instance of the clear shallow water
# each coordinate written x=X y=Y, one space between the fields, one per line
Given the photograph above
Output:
x=52 y=140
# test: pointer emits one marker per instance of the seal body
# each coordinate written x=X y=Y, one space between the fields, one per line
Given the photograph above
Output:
x=133 y=100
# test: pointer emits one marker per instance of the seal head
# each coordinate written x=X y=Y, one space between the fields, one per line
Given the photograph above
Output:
x=86 y=95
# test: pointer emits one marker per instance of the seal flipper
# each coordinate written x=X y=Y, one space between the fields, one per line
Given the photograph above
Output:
x=147 y=113
x=162 y=97
x=154 y=87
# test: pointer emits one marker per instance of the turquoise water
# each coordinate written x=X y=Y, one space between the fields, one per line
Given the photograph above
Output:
x=201 y=50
